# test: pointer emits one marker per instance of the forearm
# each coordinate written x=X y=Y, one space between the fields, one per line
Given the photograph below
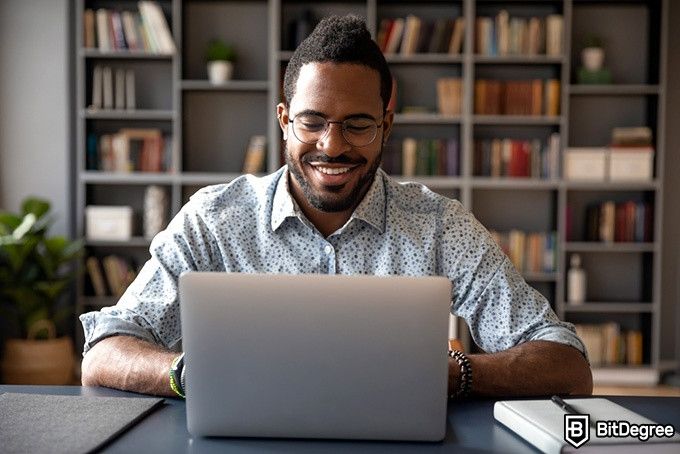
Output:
x=533 y=368
x=130 y=364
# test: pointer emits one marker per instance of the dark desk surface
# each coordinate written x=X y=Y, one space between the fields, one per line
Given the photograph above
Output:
x=471 y=428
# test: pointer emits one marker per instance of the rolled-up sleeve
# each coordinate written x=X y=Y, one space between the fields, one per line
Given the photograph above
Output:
x=500 y=308
x=149 y=308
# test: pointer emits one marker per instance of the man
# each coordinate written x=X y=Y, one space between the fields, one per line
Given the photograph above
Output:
x=331 y=210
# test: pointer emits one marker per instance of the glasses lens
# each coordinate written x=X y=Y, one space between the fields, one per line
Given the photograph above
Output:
x=359 y=131
x=309 y=128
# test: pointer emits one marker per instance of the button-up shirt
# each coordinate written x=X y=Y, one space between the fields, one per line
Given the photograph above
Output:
x=253 y=225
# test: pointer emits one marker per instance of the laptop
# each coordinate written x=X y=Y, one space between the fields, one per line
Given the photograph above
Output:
x=315 y=356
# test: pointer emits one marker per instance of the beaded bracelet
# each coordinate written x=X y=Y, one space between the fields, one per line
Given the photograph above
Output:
x=465 y=387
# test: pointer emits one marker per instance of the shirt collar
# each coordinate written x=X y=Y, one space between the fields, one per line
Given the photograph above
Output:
x=371 y=209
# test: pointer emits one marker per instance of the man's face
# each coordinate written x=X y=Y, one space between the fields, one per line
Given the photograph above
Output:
x=333 y=175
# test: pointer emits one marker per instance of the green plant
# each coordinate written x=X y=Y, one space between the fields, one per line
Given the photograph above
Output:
x=593 y=40
x=35 y=270
x=219 y=51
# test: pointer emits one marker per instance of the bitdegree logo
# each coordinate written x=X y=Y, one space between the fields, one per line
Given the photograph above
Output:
x=577 y=429
x=623 y=429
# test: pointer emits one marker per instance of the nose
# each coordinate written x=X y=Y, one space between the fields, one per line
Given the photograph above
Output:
x=333 y=143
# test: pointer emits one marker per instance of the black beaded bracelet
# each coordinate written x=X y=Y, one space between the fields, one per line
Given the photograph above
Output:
x=465 y=387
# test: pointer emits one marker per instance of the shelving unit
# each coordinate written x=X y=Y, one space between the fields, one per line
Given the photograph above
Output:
x=211 y=124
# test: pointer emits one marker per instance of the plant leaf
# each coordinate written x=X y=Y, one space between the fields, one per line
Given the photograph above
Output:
x=36 y=206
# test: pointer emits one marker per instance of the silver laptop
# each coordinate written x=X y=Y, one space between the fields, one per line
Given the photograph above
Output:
x=315 y=356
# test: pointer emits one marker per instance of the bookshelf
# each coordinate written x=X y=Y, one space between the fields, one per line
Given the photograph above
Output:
x=211 y=125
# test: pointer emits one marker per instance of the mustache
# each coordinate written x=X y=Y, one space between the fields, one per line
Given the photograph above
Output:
x=342 y=159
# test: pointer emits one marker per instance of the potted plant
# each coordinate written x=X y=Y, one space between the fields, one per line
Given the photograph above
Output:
x=35 y=273
x=220 y=57
x=592 y=55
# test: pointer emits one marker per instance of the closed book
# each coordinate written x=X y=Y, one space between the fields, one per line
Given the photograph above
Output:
x=97 y=88
x=552 y=97
x=255 y=155
x=117 y=27
x=152 y=11
x=409 y=156
x=395 y=36
x=503 y=32
x=541 y=424
x=425 y=36
x=119 y=92
x=103 y=42
x=96 y=277
x=452 y=157
x=89 y=37
x=437 y=35
x=383 y=31
x=554 y=30
x=456 y=43
x=130 y=94
x=130 y=30
x=107 y=84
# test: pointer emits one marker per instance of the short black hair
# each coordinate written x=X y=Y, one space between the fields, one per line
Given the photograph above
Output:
x=339 y=39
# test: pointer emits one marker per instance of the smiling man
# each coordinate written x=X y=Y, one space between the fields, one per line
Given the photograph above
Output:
x=331 y=210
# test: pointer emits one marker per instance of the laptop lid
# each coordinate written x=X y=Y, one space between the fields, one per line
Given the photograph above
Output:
x=315 y=356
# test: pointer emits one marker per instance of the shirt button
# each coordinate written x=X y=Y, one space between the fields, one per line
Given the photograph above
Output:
x=328 y=249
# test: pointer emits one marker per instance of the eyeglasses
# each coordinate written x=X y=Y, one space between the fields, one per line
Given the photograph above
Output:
x=358 y=132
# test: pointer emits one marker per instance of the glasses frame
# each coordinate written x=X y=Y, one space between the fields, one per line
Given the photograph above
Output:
x=378 y=124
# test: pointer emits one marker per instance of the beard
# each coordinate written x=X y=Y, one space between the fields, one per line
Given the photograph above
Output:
x=331 y=200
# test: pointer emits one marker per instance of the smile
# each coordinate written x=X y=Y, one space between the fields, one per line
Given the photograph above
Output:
x=333 y=170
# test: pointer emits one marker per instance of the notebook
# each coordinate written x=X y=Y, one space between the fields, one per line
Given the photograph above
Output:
x=541 y=423
x=315 y=356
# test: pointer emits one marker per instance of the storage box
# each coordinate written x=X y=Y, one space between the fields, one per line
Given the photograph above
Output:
x=631 y=164
x=111 y=223
x=585 y=164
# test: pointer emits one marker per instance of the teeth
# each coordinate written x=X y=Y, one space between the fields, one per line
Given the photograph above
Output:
x=332 y=171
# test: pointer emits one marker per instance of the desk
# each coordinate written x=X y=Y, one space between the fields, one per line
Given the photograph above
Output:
x=471 y=428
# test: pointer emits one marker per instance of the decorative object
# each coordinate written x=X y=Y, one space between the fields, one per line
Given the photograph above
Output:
x=108 y=223
x=576 y=281
x=155 y=210
x=35 y=273
x=220 y=57
x=592 y=59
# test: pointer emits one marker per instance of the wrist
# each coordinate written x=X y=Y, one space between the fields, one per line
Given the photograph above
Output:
x=460 y=375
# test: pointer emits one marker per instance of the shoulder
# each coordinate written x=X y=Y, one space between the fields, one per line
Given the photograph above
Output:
x=410 y=198
x=245 y=192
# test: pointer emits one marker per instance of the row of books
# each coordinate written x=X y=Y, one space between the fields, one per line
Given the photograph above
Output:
x=426 y=157
x=449 y=94
x=504 y=35
x=607 y=344
x=111 y=30
x=413 y=35
x=113 y=89
x=629 y=221
x=111 y=275
x=524 y=97
x=517 y=158
x=129 y=150
x=529 y=252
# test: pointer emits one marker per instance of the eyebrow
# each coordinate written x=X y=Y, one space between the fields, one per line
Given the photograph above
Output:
x=323 y=115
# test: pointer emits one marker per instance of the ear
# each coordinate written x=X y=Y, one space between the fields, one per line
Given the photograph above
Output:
x=388 y=121
x=282 y=115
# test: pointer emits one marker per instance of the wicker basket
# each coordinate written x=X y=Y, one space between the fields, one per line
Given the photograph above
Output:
x=38 y=362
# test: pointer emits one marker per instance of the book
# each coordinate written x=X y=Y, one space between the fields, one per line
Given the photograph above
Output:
x=395 y=35
x=103 y=42
x=96 y=276
x=107 y=87
x=117 y=27
x=130 y=95
x=119 y=92
x=554 y=29
x=89 y=37
x=159 y=25
x=130 y=30
x=255 y=155
x=456 y=44
x=97 y=88
x=541 y=424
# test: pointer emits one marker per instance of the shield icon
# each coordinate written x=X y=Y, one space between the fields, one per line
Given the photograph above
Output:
x=576 y=429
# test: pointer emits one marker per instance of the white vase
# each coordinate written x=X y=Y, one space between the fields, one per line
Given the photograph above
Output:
x=220 y=71
x=592 y=58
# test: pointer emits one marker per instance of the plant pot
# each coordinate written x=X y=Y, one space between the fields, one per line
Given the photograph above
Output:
x=220 y=71
x=38 y=362
x=592 y=58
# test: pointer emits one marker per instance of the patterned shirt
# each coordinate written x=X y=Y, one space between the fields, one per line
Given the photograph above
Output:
x=253 y=225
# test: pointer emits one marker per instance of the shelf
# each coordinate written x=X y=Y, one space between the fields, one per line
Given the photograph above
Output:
x=435 y=182
x=124 y=54
x=611 y=185
x=232 y=85
x=136 y=241
x=613 y=307
x=424 y=58
x=625 y=375
x=518 y=59
x=514 y=183
x=98 y=301
x=425 y=119
x=595 y=246
x=541 y=277
x=94 y=176
x=613 y=90
x=529 y=120
x=138 y=114
x=204 y=178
